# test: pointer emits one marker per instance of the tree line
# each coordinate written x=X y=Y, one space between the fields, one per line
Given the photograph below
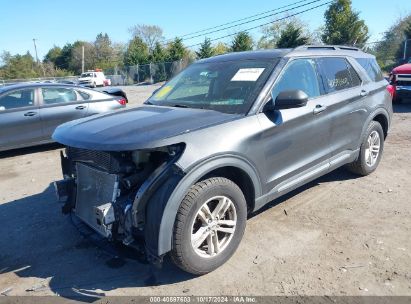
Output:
x=342 y=26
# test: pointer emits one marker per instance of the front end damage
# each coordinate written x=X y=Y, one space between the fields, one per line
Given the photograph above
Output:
x=121 y=195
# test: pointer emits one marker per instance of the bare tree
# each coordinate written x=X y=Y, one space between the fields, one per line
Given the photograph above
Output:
x=150 y=34
x=272 y=33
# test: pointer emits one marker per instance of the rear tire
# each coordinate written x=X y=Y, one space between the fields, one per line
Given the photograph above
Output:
x=209 y=226
x=371 y=150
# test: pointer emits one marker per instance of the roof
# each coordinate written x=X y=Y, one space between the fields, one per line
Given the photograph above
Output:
x=248 y=55
x=24 y=85
x=305 y=50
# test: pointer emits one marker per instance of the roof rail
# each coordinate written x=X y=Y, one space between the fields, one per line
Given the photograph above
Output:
x=348 y=48
x=327 y=47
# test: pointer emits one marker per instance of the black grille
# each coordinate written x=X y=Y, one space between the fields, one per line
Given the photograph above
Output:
x=404 y=82
x=108 y=161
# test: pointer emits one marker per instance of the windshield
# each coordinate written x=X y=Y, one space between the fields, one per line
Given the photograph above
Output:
x=229 y=87
x=86 y=75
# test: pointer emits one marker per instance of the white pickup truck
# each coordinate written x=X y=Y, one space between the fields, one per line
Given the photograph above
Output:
x=93 y=79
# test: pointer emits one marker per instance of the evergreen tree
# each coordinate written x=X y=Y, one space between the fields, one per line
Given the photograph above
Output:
x=176 y=50
x=291 y=37
x=136 y=53
x=104 y=51
x=343 y=25
x=407 y=30
x=242 y=42
x=53 y=55
x=206 y=50
x=63 y=61
x=158 y=54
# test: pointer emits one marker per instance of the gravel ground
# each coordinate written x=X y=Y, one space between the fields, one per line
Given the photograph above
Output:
x=339 y=235
x=138 y=94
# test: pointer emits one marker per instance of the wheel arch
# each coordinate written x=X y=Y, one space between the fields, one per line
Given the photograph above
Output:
x=381 y=116
x=230 y=166
x=383 y=121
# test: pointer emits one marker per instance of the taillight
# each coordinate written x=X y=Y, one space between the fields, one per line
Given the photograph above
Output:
x=122 y=101
x=391 y=90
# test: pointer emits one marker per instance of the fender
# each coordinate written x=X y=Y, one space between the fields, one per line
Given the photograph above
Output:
x=370 y=117
x=191 y=177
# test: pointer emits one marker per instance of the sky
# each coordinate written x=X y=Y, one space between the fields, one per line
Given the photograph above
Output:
x=53 y=22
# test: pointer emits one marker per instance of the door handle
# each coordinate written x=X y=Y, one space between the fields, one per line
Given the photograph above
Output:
x=363 y=93
x=30 y=113
x=319 y=108
x=80 y=107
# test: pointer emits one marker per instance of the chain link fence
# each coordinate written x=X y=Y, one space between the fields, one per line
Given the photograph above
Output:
x=145 y=73
x=127 y=75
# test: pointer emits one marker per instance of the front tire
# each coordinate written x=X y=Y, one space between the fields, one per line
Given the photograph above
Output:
x=371 y=150
x=209 y=226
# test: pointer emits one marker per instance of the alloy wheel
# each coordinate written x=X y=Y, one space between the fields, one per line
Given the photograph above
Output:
x=213 y=226
x=372 y=150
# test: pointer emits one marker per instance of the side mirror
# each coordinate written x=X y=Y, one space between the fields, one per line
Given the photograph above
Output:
x=290 y=99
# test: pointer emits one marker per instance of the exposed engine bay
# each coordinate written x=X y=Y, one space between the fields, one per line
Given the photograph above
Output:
x=109 y=190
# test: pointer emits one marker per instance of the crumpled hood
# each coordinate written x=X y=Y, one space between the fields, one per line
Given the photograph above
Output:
x=402 y=69
x=136 y=128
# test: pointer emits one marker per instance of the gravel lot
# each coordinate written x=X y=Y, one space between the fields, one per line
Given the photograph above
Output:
x=339 y=235
x=138 y=94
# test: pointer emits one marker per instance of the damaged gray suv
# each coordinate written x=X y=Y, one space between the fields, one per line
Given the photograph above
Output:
x=226 y=136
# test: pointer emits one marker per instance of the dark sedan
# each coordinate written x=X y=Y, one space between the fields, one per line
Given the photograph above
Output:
x=29 y=112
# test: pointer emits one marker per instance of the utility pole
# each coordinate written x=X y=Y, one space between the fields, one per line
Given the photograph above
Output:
x=37 y=57
x=35 y=49
x=82 y=59
x=405 y=48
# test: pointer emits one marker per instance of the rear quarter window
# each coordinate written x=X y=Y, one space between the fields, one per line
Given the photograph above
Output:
x=337 y=74
x=372 y=68
x=84 y=95
x=54 y=95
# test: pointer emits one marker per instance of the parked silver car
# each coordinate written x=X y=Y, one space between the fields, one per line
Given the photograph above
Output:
x=29 y=112
x=222 y=139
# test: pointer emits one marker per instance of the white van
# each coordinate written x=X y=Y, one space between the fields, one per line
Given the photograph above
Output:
x=92 y=79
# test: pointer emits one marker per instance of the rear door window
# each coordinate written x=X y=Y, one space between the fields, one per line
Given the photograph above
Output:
x=337 y=74
x=17 y=99
x=372 y=68
x=299 y=74
x=58 y=95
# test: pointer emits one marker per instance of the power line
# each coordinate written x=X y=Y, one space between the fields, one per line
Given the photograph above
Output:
x=239 y=20
x=264 y=24
x=253 y=20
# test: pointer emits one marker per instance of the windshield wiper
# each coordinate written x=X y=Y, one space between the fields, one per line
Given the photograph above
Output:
x=177 y=105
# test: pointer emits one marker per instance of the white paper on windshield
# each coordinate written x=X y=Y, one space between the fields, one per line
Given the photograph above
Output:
x=251 y=74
